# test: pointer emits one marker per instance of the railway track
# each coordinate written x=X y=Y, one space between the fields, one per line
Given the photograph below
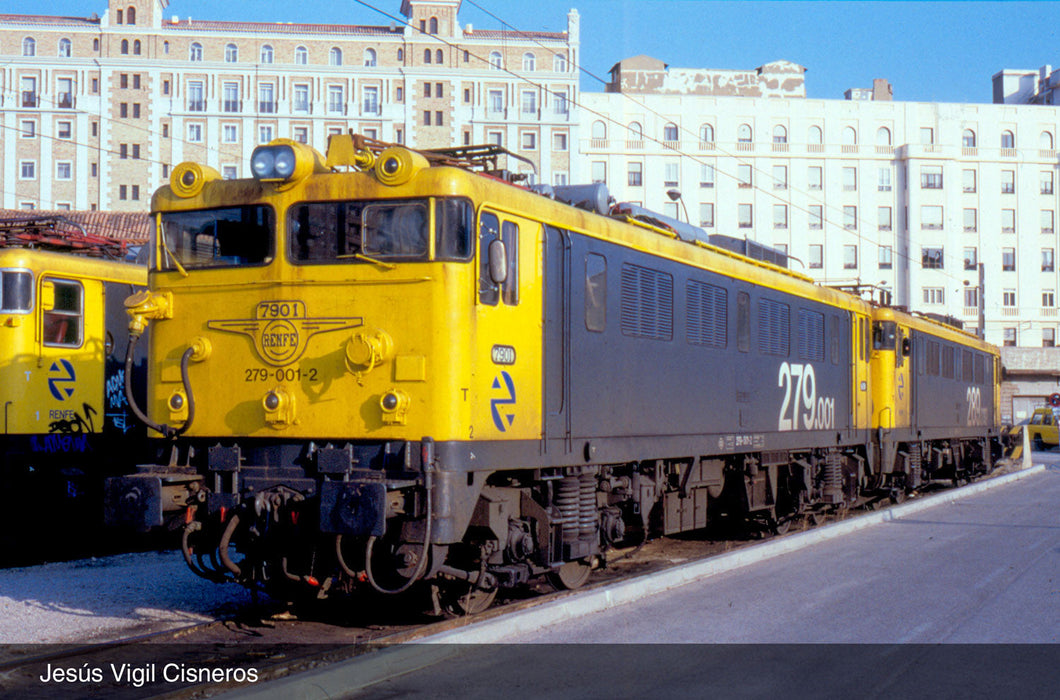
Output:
x=274 y=642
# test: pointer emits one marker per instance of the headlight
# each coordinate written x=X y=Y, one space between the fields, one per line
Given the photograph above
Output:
x=285 y=162
x=263 y=162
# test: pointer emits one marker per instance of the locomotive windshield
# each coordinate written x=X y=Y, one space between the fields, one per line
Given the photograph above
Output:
x=358 y=231
x=218 y=237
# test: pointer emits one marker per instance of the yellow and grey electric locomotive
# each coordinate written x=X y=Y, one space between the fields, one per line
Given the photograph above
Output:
x=66 y=423
x=383 y=367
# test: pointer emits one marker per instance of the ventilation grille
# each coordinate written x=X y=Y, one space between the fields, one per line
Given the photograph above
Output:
x=647 y=303
x=811 y=335
x=774 y=327
x=707 y=314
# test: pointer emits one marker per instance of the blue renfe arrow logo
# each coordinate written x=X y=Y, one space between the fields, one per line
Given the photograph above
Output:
x=506 y=401
x=55 y=383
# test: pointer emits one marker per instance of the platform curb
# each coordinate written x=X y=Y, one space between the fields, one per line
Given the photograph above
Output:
x=344 y=678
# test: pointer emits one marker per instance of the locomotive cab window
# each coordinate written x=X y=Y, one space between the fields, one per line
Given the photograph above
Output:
x=489 y=230
x=395 y=230
x=491 y=288
x=455 y=220
x=595 y=292
x=62 y=303
x=884 y=334
x=367 y=231
x=16 y=291
x=217 y=237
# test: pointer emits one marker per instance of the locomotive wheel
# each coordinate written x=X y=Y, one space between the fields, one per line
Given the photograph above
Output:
x=571 y=575
x=781 y=526
x=462 y=598
x=814 y=518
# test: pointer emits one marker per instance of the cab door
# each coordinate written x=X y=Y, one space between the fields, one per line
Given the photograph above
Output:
x=506 y=402
x=862 y=403
x=68 y=382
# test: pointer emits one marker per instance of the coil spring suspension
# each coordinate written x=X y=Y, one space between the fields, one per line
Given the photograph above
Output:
x=916 y=464
x=833 y=477
x=568 y=492
x=587 y=508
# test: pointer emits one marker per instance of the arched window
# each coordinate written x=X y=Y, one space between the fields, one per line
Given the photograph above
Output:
x=266 y=53
x=495 y=60
x=95 y=44
x=814 y=136
x=636 y=131
x=433 y=25
x=165 y=47
x=1046 y=141
x=706 y=133
x=125 y=46
x=231 y=53
x=401 y=55
x=301 y=55
x=599 y=130
x=439 y=57
x=968 y=138
x=369 y=57
x=850 y=137
x=335 y=56
x=883 y=136
x=426 y=55
x=29 y=46
x=670 y=132
x=529 y=61
x=121 y=15
x=195 y=52
x=130 y=15
x=1008 y=139
x=744 y=133
x=780 y=134
x=136 y=47
x=65 y=48
x=559 y=63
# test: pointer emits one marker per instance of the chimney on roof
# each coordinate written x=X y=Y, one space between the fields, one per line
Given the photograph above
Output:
x=882 y=90
x=470 y=29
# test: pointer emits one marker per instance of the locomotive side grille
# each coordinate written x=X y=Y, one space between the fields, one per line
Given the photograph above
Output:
x=774 y=327
x=647 y=303
x=811 y=335
x=707 y=314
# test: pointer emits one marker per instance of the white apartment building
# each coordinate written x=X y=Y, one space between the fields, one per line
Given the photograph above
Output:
x=95 y=111
x=904 y=195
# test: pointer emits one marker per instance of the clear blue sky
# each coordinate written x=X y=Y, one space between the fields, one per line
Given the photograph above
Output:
x=930 y=51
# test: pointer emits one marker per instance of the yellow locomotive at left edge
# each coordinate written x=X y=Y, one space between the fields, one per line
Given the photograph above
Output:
x=315 y=350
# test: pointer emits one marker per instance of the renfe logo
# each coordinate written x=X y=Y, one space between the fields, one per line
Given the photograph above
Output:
x=62 y=373
x=281 y=329
x=508 y=400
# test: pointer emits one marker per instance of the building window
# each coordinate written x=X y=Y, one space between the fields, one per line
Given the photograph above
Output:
x=369 y=58
x=850 y=257
x=28 y=129
x=1008 y=337
x=1008 y=221
x=883 y=219
x=634 y=175
x=136 y=151
x=64 y=170
x=744 y=216
x=559 y=63
x=125 y=48
x=529 y=62
x=528 y=101
x=266 y=54
x=815 y=177
x=336 y=99
x=884 y=184
x=1008 y=259
x=27 y=170
x=229 y=133
x=706 y=214
x=971 y=220
x=744 y=176
x=933 y=295
x=136 y=193
x=301 y=56
x=968 y=181
x=971 y=296
x=560 y=104
x=497 y=139
x=780 y=134
x=559 y=141
x=230 y=97
x=850 y=179
x=136 y=81
x=495 y=60
x=1008 y=182
x=228 y=172
x=123 y=110
x=885 y=255
x=850 y=218
x=971 y=259
x=1048 y=337
x=195 y=133
x=931 y=218
x=1047 y=218
x=883 y=136
x=438 y=57
x=301 y=134
x=335 y=56
x=195 y=52
x=1048 y=298
x=968 y=138
x=814 y=136
x=371 y=100
x=1008 y=297
x=1008 y=139
x=599 y=171
x=301 y=97
x=433 y=25
x=927 y=136
x=850 y=136
x=780 y=177
x=706 y=175
x=264 y=133
x=495 y=101
x=29 y=46
x=1046 y=182
x=123 y=192
x=671 y=174
x=231 y=53
x=931 y=258
x=744 y=134
x=196 y=99
x=816 y=256
x=670 y=133
x=706 y=134
x=529 y=140
x=65 y=48
x=136 y=48
x=1047 y=260
x=63 y=130
x=816 y=217
x=780 y=216
x=931 y=177
x=1045 y=141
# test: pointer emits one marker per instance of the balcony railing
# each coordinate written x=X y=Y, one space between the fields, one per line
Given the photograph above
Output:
x=706 y=145
x=196 y=105
x=231 y=106
x=745 y=146
x=266 y=107
x=30 y=99
x=64 y=100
